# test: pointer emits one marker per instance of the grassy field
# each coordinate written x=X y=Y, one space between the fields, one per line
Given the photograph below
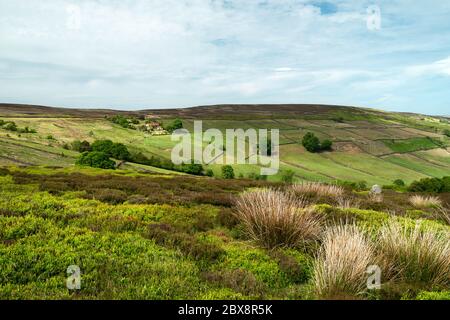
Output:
x=362 y=139
x=153 y=236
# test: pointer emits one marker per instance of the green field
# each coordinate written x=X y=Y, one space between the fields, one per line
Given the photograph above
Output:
x=362 y=140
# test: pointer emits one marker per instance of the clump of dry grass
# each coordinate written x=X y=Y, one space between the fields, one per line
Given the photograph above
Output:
x=319 y=189
x=276 y=219
x=419 y=201
x=415 y=254
x=443 y=214
x=342 y=262
x=348 y=203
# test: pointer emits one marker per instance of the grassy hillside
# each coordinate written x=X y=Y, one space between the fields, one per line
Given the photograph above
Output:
x=369 y=145
x=152 y=236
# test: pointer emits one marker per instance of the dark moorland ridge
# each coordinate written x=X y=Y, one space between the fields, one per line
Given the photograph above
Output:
x=213 y=111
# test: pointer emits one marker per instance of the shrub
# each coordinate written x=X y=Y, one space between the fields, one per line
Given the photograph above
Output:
x=425 y=295
x=434 y=185
x=288 y=176
x=238 y=280
x=415 y=254
x=326 y=145
x=166 y=235
x=275 y=219
x=227 y=172
x=112 y=196
x=319 y=189
x=447 y=132
x=175 y=125
x=192 y=168
x=96 y=160
x=399 y=183
x=209 y=173
x=342 y=262
x=114 y=150
x=311 y=142
x=425 y=202
x=10 y=126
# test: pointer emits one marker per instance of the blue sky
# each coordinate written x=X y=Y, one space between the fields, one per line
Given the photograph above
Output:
x=178 y=53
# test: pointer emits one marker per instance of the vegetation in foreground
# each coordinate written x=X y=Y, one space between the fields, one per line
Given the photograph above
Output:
x=139 y=236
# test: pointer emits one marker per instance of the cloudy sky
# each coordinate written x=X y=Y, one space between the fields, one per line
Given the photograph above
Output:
x=131 y=54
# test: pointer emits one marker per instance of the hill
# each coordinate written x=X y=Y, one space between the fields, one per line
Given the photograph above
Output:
x=369 y=145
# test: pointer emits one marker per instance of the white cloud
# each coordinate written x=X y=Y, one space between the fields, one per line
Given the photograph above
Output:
x=167 y=53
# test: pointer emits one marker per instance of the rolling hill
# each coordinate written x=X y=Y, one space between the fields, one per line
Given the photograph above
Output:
x=368 y=145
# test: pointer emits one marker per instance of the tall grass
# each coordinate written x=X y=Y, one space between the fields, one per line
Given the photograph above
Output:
x=276 y=219
x=415 y=254
x=341 y=265
x=318 y=189
x=419 y=201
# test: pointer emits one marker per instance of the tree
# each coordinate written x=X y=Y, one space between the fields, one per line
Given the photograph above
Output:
x=288 y=176
x=399 y=183
x=227 y=172
x=175 y=125
x=114 y=150
x=311 y=142
x=96 y=160
x=192 y=168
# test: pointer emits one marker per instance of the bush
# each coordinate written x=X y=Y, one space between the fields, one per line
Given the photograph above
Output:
x=238 y=280
x=416 y=254
x=96 y=160
x=326 y=145
x=114 y=150
x=311 y=142
x=209 y=173
x=425 y=202
x=192 y=168
x=399 y=183
x=288 y=176
x=10 y=126
x=276 y=219
x=227 y=172
x=175 y=125
x=434 y=185
x=112 y=196
x=342 y=262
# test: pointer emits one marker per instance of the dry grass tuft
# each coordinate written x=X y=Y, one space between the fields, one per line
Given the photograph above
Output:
x=425 y=202
x=415 y=254
x=276 y=219
x=443 y=214
x=318 y=189
x=342 y=262
x=348 y=203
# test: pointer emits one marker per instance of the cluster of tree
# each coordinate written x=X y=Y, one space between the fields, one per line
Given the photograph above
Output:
x=114 y=150
x=190 y=168
x=174 y=125
x=127 y=123
x=434 y=185
x=96 y=160
x=12 y=126
x=313 y=144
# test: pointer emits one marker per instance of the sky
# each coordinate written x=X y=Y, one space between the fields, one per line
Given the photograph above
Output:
x=135 y=54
